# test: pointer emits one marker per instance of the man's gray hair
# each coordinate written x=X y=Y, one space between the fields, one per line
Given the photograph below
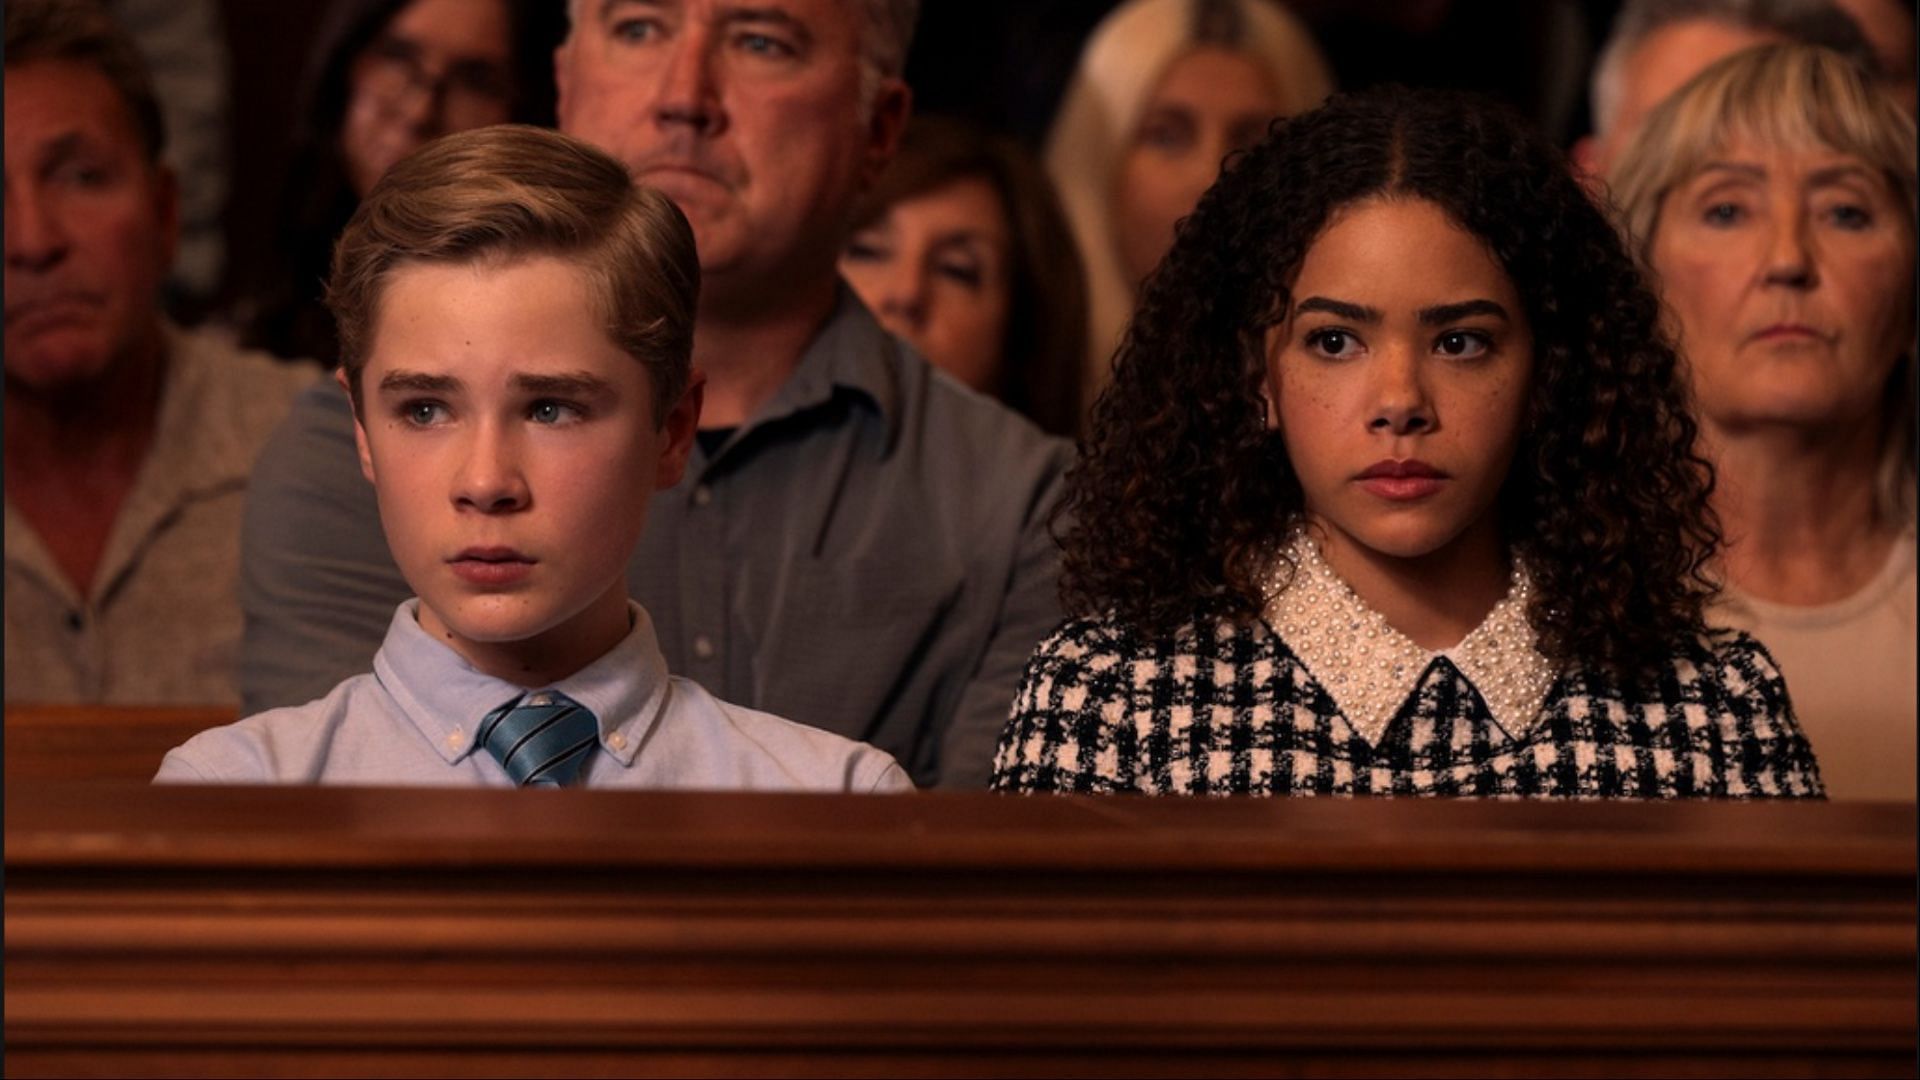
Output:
x=1809 y=22
x=83 y=32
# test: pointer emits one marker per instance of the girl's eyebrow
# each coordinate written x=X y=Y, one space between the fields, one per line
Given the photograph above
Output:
x=1356 y=312
x=1446 y=313
x=1429 y=316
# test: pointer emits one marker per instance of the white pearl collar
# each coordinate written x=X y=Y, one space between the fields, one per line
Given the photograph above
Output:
x=1370 y=668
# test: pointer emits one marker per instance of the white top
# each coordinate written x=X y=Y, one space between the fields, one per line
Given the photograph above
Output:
x=1851 y=674
x=411 y=722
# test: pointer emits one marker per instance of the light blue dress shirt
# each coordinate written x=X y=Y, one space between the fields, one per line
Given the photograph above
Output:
x=412 y=721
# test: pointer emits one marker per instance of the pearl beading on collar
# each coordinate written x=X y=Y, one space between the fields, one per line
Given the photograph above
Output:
x=1370 y=668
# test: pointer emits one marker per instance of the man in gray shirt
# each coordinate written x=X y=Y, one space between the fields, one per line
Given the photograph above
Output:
x=860 y=543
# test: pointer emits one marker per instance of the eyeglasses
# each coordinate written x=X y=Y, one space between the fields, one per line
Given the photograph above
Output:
x=391 y=68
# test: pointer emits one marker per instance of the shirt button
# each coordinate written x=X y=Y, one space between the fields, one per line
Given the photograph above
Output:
x=616 y=740
x=456 y=737
x=702 y=495
x=703 y=647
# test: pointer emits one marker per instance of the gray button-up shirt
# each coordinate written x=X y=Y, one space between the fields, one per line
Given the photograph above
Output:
x=869 y=555
x=413 y=720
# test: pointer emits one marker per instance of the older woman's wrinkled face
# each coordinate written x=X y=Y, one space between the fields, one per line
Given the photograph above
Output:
x=440 y=66
x=1210 y=102
x=1790 y=272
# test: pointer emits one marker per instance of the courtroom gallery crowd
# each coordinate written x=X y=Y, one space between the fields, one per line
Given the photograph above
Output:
x=644 y=394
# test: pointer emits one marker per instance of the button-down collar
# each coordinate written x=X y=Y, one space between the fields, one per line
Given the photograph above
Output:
x=446 y=697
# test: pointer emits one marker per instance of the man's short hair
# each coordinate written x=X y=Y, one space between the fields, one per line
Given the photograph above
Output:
x=1809 y=22
x=512 y=191
x=886 y=33
x=81 y=32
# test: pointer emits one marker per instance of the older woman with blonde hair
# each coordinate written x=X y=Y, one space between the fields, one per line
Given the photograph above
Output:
x=1773 y=200
x=1164 y=90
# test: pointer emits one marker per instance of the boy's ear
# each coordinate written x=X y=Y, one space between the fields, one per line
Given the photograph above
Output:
x=359 y=431
x=680 y=423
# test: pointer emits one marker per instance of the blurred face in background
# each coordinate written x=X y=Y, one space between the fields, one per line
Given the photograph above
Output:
x=1888 y=28
x=936 y=268
x=90 y=228
x=1650 y=74
x=1791 y=273
x=440 y=66
x=1210 y=102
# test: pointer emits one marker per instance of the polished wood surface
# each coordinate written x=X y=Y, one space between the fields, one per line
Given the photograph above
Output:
x=249 y=931
x=100 y=742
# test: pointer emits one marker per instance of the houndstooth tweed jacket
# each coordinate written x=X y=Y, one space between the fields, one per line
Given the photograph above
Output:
x=1219 y=708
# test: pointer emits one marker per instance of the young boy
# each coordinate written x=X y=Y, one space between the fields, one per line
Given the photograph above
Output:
x=516 y=323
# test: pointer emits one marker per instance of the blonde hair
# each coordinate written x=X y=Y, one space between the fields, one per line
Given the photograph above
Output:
x=1784 y=95
x=511 y=191
x=1122 y=62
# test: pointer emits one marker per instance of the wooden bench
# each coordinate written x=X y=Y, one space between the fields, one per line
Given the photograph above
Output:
x=310 y=932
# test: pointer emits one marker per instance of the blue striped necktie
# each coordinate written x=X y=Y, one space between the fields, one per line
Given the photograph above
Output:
x=541 y=739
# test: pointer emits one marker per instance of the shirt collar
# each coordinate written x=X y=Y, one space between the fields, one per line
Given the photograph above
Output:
x=851 y=352
x=627 y=690
x=1370 y=669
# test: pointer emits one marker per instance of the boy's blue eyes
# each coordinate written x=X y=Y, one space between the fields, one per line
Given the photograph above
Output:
x=553 y=412
x=423 y=413
x=544 y=412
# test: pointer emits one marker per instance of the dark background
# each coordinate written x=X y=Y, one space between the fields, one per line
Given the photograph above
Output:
x=1006 y=63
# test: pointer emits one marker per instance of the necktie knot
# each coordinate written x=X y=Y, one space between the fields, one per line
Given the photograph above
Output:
x=541 y=739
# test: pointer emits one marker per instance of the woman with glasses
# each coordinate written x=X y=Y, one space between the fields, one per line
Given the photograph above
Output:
x=387 y=76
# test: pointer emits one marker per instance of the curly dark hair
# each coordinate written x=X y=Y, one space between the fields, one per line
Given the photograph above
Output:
x=1183 y=493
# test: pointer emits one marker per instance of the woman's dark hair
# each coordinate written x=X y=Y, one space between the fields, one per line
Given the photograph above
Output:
x=1046 y=339
x=283 y=311
x=1183 y=492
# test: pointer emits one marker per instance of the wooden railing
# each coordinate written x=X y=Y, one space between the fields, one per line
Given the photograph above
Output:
x=309 y=932
x=99 y=742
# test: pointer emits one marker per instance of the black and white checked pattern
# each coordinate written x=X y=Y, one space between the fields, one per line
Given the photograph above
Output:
x=1226 y=709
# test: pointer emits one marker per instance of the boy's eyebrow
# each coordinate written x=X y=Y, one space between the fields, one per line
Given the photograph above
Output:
x=1355 y=312
x=1446 y=313
x=418 y=382
x=566 y=384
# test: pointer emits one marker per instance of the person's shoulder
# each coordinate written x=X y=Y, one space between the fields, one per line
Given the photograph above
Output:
x=312 y=443
x=970 y=414
x=240 y=371
x=945 y=412
x=248 y=390
x=1716 y=667
x=283 y=745
x=1735 y=659
x=1101 y=641
x=783 y=753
